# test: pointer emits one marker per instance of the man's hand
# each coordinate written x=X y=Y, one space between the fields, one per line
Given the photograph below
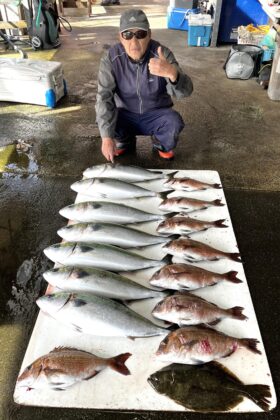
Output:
x=161 y=67
x=108 y=148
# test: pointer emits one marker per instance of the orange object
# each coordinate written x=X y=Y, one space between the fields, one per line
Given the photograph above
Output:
x=166 y=155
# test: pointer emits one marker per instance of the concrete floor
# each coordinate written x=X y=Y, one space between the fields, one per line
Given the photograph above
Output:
x=232 y=128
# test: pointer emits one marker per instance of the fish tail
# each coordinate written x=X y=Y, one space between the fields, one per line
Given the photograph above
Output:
x=220 y=223
x=259 y=394
x=163 y=195
x=235 y=256
x=218 y=202
x=171 y=175
x=218 y=186
x=250 y=344
x=236 y=312
x=169 y=215
x=167 y=259
x=118 y=363
x=231 y=276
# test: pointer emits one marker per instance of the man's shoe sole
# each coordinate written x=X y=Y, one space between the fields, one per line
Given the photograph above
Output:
x=166 y=155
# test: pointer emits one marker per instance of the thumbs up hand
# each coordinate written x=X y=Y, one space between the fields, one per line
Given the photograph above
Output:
x=161 y=67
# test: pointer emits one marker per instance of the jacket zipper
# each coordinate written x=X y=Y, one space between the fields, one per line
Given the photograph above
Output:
x=138 y=90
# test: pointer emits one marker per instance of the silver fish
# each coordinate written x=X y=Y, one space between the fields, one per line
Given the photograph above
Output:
x=183 y=225
x=189 y=184
x=109 y=233
x=113 y=189
x=187 y=205
x=189 y=277
x=188 y=309
x=106 y=257
x=196 y=345
x=194 y=251
x=99 y=282
x=65 y=366
x=125 y=173
x=97 y=315
x=107 y=212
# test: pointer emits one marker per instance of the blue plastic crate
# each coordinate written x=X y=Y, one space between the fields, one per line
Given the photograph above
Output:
x=199 y=36
x=268 y=54
x=178 y=18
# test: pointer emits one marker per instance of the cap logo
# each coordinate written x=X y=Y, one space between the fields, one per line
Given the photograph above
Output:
x=132 y=19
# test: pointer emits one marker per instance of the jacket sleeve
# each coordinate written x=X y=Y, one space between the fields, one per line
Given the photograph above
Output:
x=106 y=111
x=183 y=86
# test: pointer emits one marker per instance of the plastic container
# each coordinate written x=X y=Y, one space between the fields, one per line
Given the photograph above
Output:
x=178 y=18
x=200 y=29
x=31 y=81
x=184 y=4
x=268 y=54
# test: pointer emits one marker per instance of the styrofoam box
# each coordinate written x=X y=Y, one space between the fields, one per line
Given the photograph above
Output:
x=31 y=81
x=110 y=390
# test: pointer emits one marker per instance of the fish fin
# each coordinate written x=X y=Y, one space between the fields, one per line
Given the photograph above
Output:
x=59 y=389
x=217 y=186
x=218 y=202
x=183 y=288
x=250 y=344
x=118 y=363
x=229 y=353
x=231 y=276
x=171 y=327
x=235 y=256
x=79 y=302
x=220 y=223
x=77 y=328
x=215 y=322
x=170 y=215
x=167 y=259
x=259 y=394
x=163 y=195
x=173 y=237
x=197 y=361
x=171 y=175
x=131 y=338
x=91 y=376
x=236 y=312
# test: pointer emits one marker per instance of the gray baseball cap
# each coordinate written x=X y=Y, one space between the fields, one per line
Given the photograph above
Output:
x=134 y=18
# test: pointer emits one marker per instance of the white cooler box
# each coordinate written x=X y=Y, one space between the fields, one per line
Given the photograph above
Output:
x=31 y=81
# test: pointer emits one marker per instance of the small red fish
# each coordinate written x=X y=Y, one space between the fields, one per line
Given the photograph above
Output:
x=188 y=309
x=189 y=277
x=196 y=345
x=65 y=366
x=187 y=205
x=183 y=225
x=194 y=251
x=189 y=184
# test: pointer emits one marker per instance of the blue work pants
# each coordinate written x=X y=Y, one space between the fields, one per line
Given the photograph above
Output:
x=163 y=125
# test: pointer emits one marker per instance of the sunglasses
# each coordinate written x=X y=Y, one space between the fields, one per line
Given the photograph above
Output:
x=127 y=35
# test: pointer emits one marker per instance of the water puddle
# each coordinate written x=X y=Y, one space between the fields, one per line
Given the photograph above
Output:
x=18 y=158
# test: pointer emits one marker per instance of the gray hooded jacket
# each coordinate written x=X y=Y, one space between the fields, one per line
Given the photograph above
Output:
x=123 y=83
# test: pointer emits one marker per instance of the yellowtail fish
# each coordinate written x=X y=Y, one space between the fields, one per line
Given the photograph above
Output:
x=125 y=173
x=96 y=315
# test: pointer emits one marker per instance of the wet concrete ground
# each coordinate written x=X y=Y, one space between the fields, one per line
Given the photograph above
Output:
x=232 y=127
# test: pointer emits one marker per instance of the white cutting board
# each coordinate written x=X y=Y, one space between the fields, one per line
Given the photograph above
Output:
x=110 y=390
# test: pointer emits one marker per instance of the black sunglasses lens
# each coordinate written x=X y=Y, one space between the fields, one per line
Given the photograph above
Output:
x=127 y=35
x=141 y=34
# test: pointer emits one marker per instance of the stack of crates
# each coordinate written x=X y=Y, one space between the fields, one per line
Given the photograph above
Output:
x=178 y=13
x=200 y=28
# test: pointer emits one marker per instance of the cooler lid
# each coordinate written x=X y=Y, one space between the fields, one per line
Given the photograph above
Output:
x=25 y=69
